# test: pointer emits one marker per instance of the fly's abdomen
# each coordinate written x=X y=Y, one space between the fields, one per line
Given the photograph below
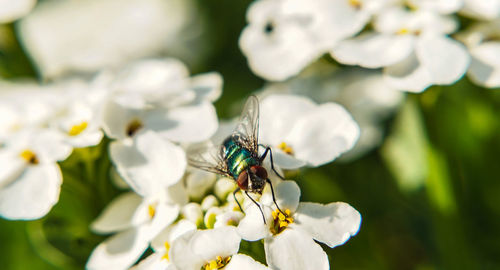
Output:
x=237 y=157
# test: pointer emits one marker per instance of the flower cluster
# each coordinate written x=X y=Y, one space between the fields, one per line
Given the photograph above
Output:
x=408 y=41
x=194 y=221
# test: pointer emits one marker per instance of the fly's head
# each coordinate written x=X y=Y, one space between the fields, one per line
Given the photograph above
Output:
x=253 y=180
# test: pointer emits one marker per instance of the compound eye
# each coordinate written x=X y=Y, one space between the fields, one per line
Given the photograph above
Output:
x=259 y=171
x=243 y=180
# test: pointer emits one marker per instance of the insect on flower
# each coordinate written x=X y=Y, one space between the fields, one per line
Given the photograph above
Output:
x=238 y=156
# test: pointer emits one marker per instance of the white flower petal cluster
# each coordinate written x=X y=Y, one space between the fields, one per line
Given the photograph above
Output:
x=363 y=92
x=409 y=40
x=289 y=235
x=284 y=36
x=39 y=126
x=301 y=132
x=151 y=107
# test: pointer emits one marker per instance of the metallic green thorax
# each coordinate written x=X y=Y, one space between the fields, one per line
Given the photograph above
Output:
x=237 y=157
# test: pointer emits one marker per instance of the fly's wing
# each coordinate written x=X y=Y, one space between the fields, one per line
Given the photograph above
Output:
x=247 y=130
x=207 y=157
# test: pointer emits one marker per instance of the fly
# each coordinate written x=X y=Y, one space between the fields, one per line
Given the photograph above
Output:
x=238 y=156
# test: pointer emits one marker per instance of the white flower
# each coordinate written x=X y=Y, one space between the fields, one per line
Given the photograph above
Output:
x=301 y=132
x=289 y=236
x=284 y=36
x=211 y=249
x=484 y=47
x=28 y=105
x=161 y=244
x=276 y=46
x=13 y=10
x=412 y=46
x=136 y=221
x=485 y=9
x=30 y=178
x=86 y=36
x=363 y=92
x=153 y=103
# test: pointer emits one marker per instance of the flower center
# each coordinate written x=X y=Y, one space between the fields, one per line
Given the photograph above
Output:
x=269 y=27
x=406 y=31
x=218 y=263
x=133 y=126
x=152 y=210
x=167 y=247
x=286 y=148
x=77 y=129
x=29 y=156
x=281 y=221
x=355 y=3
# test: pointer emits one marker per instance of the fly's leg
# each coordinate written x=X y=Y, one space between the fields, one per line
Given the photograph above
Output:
x=234 y=196
x=274 y=197
x=263 y=218
x=268 y=149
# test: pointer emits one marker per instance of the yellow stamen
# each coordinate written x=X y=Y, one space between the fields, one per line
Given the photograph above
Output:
x=29 y=156
x=133 y=126
x=167 y=247
x=286 y=148
x=77 y=129
x=281 y=221
x=403 y=31
x=218 y=263
x=355 y=3
x=152 y=210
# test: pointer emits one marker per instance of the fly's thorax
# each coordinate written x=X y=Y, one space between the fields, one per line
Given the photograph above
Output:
x=237 y=157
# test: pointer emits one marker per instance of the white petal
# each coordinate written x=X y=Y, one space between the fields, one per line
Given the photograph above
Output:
x=49 y=145
x=332 y=224
x=33 y=194
x=278 y=113
x=209 y=244
x=150 y=163
x=207 y=86
x=88 y=36
x=244 y=262
x=372 y=50
x=280 y=53
x=183 y=256
x=445 y=59
x=485 y=9
x=286 y=161
x=12 y=10
x=153 y=262
x=189 y=123
x=287 y=196
x=11 y=166
x=115 y=118
x=485 y=66
x=408 y=75
x=295 y=250
x=322 y=134
x=252 y=227
x=171 y=233
x=199 y=182
x=119 y=214
x=119 y=251
x=165 y=214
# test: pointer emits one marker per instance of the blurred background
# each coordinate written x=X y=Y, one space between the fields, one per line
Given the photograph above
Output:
x=428 y=190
